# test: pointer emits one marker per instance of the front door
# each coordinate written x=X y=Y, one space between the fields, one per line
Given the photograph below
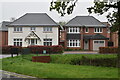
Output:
x=32 y=41
x=86 y=44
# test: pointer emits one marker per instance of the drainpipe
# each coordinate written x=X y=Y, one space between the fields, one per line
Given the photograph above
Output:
x=82 y=43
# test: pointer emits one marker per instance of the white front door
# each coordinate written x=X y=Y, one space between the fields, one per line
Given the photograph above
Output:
x=86 y=44
x=97 y=44
x=32 y=41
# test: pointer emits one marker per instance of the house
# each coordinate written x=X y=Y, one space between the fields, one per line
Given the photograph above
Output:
x=33 y=29
x=4 y=33
x=85 y=32
x=113 y=35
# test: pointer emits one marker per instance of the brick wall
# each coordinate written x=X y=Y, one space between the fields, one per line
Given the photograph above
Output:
x=3 y=38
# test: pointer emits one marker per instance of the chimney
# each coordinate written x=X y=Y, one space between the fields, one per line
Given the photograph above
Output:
x=12 y=19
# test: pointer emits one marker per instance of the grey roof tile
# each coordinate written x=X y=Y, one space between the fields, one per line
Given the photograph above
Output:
x=73 y=36
x=34 y=19
x=86 y=21
x=96 y=36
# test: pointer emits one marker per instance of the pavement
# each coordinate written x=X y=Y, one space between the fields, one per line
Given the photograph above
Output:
x=6 y=74
x=6 y=55
x=81 y=52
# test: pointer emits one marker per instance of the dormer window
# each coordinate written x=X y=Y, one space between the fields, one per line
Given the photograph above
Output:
x=32 y=28
x=97 y=30
x=86 y=30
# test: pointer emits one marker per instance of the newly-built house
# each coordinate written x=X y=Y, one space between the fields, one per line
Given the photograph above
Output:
x=85 y=32
x=33 y=29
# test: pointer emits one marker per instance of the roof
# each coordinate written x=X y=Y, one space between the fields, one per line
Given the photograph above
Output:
x=73 y=36
x=34 y=19
x=85 y=21
x=3 y=26
x=96 y=36
x=107 y=24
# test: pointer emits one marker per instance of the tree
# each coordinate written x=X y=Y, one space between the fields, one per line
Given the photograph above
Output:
x=64 y=7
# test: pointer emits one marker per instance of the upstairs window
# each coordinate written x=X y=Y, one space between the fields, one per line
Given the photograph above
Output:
x=86 y=30
x=47 y=29
x=17 y=29
x=98 y=30
x=73 y=30
x=32 y=28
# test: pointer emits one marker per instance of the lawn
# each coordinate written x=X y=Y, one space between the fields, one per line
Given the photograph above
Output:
x=54 y=70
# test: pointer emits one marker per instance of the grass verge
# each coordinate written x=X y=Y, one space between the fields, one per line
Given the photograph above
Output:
x=53 y=70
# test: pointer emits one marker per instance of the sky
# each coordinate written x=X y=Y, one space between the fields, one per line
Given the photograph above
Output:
x=17 y=8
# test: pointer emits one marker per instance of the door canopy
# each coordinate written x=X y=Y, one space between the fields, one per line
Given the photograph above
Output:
x=32 y=35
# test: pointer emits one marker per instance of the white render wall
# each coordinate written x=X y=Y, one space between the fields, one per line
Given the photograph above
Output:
x=39 y=32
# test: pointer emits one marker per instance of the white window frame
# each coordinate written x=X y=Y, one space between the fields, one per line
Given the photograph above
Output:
x=47 y=29
x=75 y=30
x=17 y=29
x=108 y=30
x=32 y=28
x=97 y=30
x=49 y=42
x=87 y=31
x=17 y=41
x=73 y=43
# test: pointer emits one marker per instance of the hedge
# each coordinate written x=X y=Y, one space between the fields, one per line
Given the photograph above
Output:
x=33 y=49
x=7 y=49
x=105 y=50
x=106 y=62
x=48 y=49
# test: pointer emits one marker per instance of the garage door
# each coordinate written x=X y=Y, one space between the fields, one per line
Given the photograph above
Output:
x=97 y=44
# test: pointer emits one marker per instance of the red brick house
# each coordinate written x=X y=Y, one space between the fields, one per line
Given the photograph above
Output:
x=85 y=32
x=4 y=33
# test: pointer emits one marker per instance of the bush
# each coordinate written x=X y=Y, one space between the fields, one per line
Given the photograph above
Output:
x=106 y=62
x=49 y=49
x=86 y=59
x=108 y=50
x=7 y=49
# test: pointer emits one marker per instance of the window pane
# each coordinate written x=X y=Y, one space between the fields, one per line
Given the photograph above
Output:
x=14 y=28
x=14 y=43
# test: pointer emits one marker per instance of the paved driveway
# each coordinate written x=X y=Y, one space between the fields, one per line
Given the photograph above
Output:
x=80 y=52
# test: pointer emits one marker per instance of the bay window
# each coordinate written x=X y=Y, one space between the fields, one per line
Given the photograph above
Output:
x=73 y=43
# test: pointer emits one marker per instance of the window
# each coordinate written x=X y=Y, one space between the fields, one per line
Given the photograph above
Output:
x=32 y=28
x=86 y=30
x=47 y=29
x=47 y=42
x=17 y=42
x=18 y=29
x=73 y=30
x=98 y=30
x=108 y=30
x=73 y=43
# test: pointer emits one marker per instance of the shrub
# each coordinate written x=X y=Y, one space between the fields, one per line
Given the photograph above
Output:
x=7 y=49
x=108 y=50
x=49 y=49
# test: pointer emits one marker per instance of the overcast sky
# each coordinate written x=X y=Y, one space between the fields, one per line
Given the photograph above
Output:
x=17 y=8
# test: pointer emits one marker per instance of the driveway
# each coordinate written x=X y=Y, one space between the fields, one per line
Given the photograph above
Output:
x=6 y=55
x=80 y=52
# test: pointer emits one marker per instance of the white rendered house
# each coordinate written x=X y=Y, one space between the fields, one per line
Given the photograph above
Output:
x=33 y=29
